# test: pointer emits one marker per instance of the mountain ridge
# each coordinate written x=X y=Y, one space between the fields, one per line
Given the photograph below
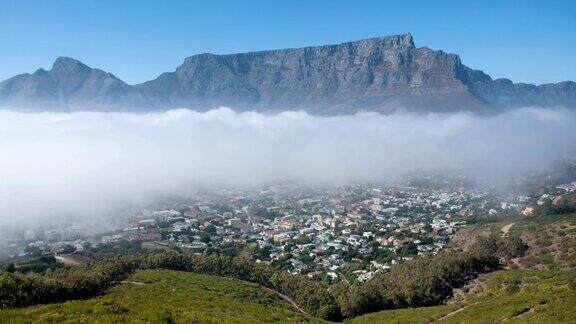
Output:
x=379 y=74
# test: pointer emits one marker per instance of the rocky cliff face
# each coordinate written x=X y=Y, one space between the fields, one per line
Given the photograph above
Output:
x=502 y=93
x=379 y=74
x=67 y=86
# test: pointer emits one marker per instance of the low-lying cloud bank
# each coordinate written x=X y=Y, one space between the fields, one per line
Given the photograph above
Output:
x=81 y=163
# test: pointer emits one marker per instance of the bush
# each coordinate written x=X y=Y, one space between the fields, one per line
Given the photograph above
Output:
x=87 y=281
x=424 y=281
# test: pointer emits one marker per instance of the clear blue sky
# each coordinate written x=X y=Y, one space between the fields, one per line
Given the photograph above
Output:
x=526 y=41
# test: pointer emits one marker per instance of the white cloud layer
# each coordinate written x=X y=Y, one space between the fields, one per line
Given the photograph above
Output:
x=81 y=163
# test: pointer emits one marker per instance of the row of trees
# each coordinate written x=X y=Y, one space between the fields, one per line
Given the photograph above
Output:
x=427 y=280
x=82 y=282
x=424 y=281
x=564 y=204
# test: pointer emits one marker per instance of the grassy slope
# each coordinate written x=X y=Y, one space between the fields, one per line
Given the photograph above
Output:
x=552 y=241
x=546 y=293
x=537 y=296
x=163 y=296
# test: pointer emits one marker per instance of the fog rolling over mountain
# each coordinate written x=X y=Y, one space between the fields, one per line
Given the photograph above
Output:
x=381 y=74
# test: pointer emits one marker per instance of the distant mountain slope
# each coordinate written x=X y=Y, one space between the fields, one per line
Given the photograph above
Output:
x=68 y=85
x=503 y=93
x=378 y=74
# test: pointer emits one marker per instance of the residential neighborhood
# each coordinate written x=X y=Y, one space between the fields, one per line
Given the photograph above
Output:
x=340 y=233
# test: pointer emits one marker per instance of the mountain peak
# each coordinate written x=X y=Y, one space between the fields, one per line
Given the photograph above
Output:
x=67 y=65
x=408 y=39
x=401 y=39
x=379 y=74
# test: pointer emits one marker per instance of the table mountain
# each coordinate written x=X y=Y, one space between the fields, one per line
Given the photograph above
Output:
x=379 y=74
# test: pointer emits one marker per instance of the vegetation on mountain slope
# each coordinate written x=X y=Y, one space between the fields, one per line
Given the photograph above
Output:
x=86 y=281
x=517 y=296
x=168 y=296
x=428 y=280
x=538 y=286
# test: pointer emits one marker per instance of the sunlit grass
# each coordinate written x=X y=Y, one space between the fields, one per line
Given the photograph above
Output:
x=165 y=296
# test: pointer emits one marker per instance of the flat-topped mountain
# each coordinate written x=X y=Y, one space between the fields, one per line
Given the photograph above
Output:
x=379 y=74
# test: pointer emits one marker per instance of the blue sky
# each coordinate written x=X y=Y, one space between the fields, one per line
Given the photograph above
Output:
x=526 y=41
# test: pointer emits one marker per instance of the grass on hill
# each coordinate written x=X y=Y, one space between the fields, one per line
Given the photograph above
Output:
x=515 y=296
x=542 y=290
x=551 y=240
x=164 y=296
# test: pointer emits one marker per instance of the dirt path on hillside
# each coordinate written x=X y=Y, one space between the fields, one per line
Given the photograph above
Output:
x=453 y=312
x=506 y=228
x=287 y=299
x=67 y=261
x=133 y=283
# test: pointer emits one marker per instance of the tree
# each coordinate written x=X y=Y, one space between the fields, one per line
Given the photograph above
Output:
x=34 y=251
x=9 y=267
x=68 y=249
x=210 y=229
x=408 y=249
x=511 y=247
x=261 y=253
x=205 y=237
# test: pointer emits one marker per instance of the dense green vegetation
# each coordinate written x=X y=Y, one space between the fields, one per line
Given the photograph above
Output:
x=426 y=281
x=551 y=240
x=545 y=293
x=563 y=204
x=168 y=296
x=86 y=281
x=36 y=262
x=516 y=296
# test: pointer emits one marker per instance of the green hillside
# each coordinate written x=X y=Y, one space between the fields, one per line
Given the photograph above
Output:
x=168 y=296
x=539 y=287
x=534 y=296
x=536 y=283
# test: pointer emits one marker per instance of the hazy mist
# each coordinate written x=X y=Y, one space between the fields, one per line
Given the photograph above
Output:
x=56 y=164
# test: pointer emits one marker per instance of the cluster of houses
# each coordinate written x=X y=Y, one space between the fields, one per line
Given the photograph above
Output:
x=342 y=233
x=567 y=187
